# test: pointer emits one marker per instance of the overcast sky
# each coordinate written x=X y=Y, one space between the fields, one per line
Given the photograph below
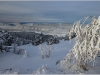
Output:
x=47 y=11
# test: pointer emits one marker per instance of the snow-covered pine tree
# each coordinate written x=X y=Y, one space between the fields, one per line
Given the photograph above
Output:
x=86 y=47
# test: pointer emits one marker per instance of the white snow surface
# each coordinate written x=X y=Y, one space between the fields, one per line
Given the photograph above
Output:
x=29 y=65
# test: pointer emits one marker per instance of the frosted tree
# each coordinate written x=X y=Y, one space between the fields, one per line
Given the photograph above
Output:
x=42 y=51
x=25 y=54
x=87 y=45
x=46 y=50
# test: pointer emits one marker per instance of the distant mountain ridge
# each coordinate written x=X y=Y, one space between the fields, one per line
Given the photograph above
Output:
x=21 y=23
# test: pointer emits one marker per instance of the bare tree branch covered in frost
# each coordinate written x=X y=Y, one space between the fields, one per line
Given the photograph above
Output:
x=87 y=45
x=46 y=50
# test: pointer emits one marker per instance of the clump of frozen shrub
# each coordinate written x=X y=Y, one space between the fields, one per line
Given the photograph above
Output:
x=5 y=71
x=86 y=48
x=46 y=50
x=19 y=51
x=9 y=71
x=16 y=71
x=43 y=70
x=25 y=54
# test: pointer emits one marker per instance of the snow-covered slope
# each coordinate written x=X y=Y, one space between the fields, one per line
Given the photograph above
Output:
x=34 y=61
x=14 y=63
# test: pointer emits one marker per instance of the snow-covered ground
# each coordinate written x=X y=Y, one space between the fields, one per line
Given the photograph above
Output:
x=14 y=63
x=34 y=61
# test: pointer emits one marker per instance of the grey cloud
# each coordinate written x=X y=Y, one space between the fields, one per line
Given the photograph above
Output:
x=47 y=11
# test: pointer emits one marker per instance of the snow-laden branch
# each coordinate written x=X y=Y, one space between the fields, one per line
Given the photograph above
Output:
x=87 y=45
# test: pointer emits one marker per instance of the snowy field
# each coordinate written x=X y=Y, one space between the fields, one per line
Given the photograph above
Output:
x=11 y=63
x=32 y=62
x=28 y=65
